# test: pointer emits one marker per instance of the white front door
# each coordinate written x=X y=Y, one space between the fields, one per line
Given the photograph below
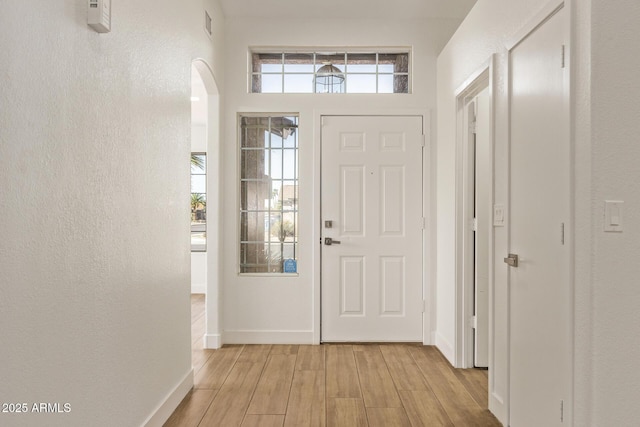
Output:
x=372 y=205
x=540 y=285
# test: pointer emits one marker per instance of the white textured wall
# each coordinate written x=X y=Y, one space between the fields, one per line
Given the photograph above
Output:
x=615 y=109
x=272 y=305
x=487 y=30
x=94 y=230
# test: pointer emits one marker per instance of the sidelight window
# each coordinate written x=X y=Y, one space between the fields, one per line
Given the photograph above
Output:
x=268 y=194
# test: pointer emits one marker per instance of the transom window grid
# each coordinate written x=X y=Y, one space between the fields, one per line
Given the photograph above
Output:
x=297 y=72
x=268 y=194
x=198 y=202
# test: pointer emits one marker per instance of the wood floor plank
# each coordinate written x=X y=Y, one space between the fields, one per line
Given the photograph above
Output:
x=230 y=404
x=306 y=406
x=341 y=372
x=378 y=389
x=387 y=417
x=215 y=370
x=272 y=392
x=403 y=369
x=199 y=357
x=191 y=409
x=197 y=306
x=284 y=349
x=310 y=357
x=475 y=382
x=460 y=407
x=198 y=331
x=254 y=353
x=346 y=412
x=424 y=409
x=263 y=421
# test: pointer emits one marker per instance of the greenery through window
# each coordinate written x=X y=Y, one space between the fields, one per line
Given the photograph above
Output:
x=268 y=194
x=299 y=72
x=198 y=202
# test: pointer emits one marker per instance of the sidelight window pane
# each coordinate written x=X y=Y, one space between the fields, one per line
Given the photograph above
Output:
x=269 y=195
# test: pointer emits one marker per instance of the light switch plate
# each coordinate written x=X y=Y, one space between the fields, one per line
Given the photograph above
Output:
x=613 y=216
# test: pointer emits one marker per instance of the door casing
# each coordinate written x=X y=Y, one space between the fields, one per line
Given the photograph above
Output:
x=482 y=79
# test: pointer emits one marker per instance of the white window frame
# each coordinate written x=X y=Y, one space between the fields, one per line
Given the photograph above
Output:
x=316 y=52
x=294 y=211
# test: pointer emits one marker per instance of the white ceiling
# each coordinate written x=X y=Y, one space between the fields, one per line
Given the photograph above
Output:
x=390 y=9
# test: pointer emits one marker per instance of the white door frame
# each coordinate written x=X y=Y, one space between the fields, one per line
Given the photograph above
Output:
x=464 y=252
x=213 y=306
x=428 y=209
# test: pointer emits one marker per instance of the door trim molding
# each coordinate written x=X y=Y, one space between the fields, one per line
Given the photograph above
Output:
x=428 y=182
x=547 y=11
x=463 y=358
x=213 y=284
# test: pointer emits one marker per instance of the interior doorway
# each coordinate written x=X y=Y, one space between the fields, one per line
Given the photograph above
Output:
x=474 y=251
x=480 y=204
x=199 y=148
x=205 y=141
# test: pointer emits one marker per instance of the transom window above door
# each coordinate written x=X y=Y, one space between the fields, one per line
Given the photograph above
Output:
x=277 y=71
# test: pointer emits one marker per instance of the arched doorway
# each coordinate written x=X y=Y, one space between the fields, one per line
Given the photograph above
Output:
x=206 y=221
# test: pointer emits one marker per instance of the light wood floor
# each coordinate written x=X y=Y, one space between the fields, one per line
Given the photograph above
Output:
x=328 y=385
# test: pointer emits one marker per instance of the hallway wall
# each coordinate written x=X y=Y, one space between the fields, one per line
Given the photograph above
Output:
x=604 y=63
x=94 y=206
x=615 y=347
x=487 y=31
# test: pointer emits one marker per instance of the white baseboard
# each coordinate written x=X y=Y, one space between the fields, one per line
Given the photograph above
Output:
x=212 y=341
x=268 y=337
x=445 y=348
x=171 y=402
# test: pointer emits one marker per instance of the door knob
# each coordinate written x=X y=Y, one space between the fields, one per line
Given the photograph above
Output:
x=511 y=260
x=329 y=241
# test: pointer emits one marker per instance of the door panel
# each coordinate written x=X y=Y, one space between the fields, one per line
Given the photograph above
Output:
x=372 y=194
x=352 y=286
x=352 y=208
x=540 y=367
